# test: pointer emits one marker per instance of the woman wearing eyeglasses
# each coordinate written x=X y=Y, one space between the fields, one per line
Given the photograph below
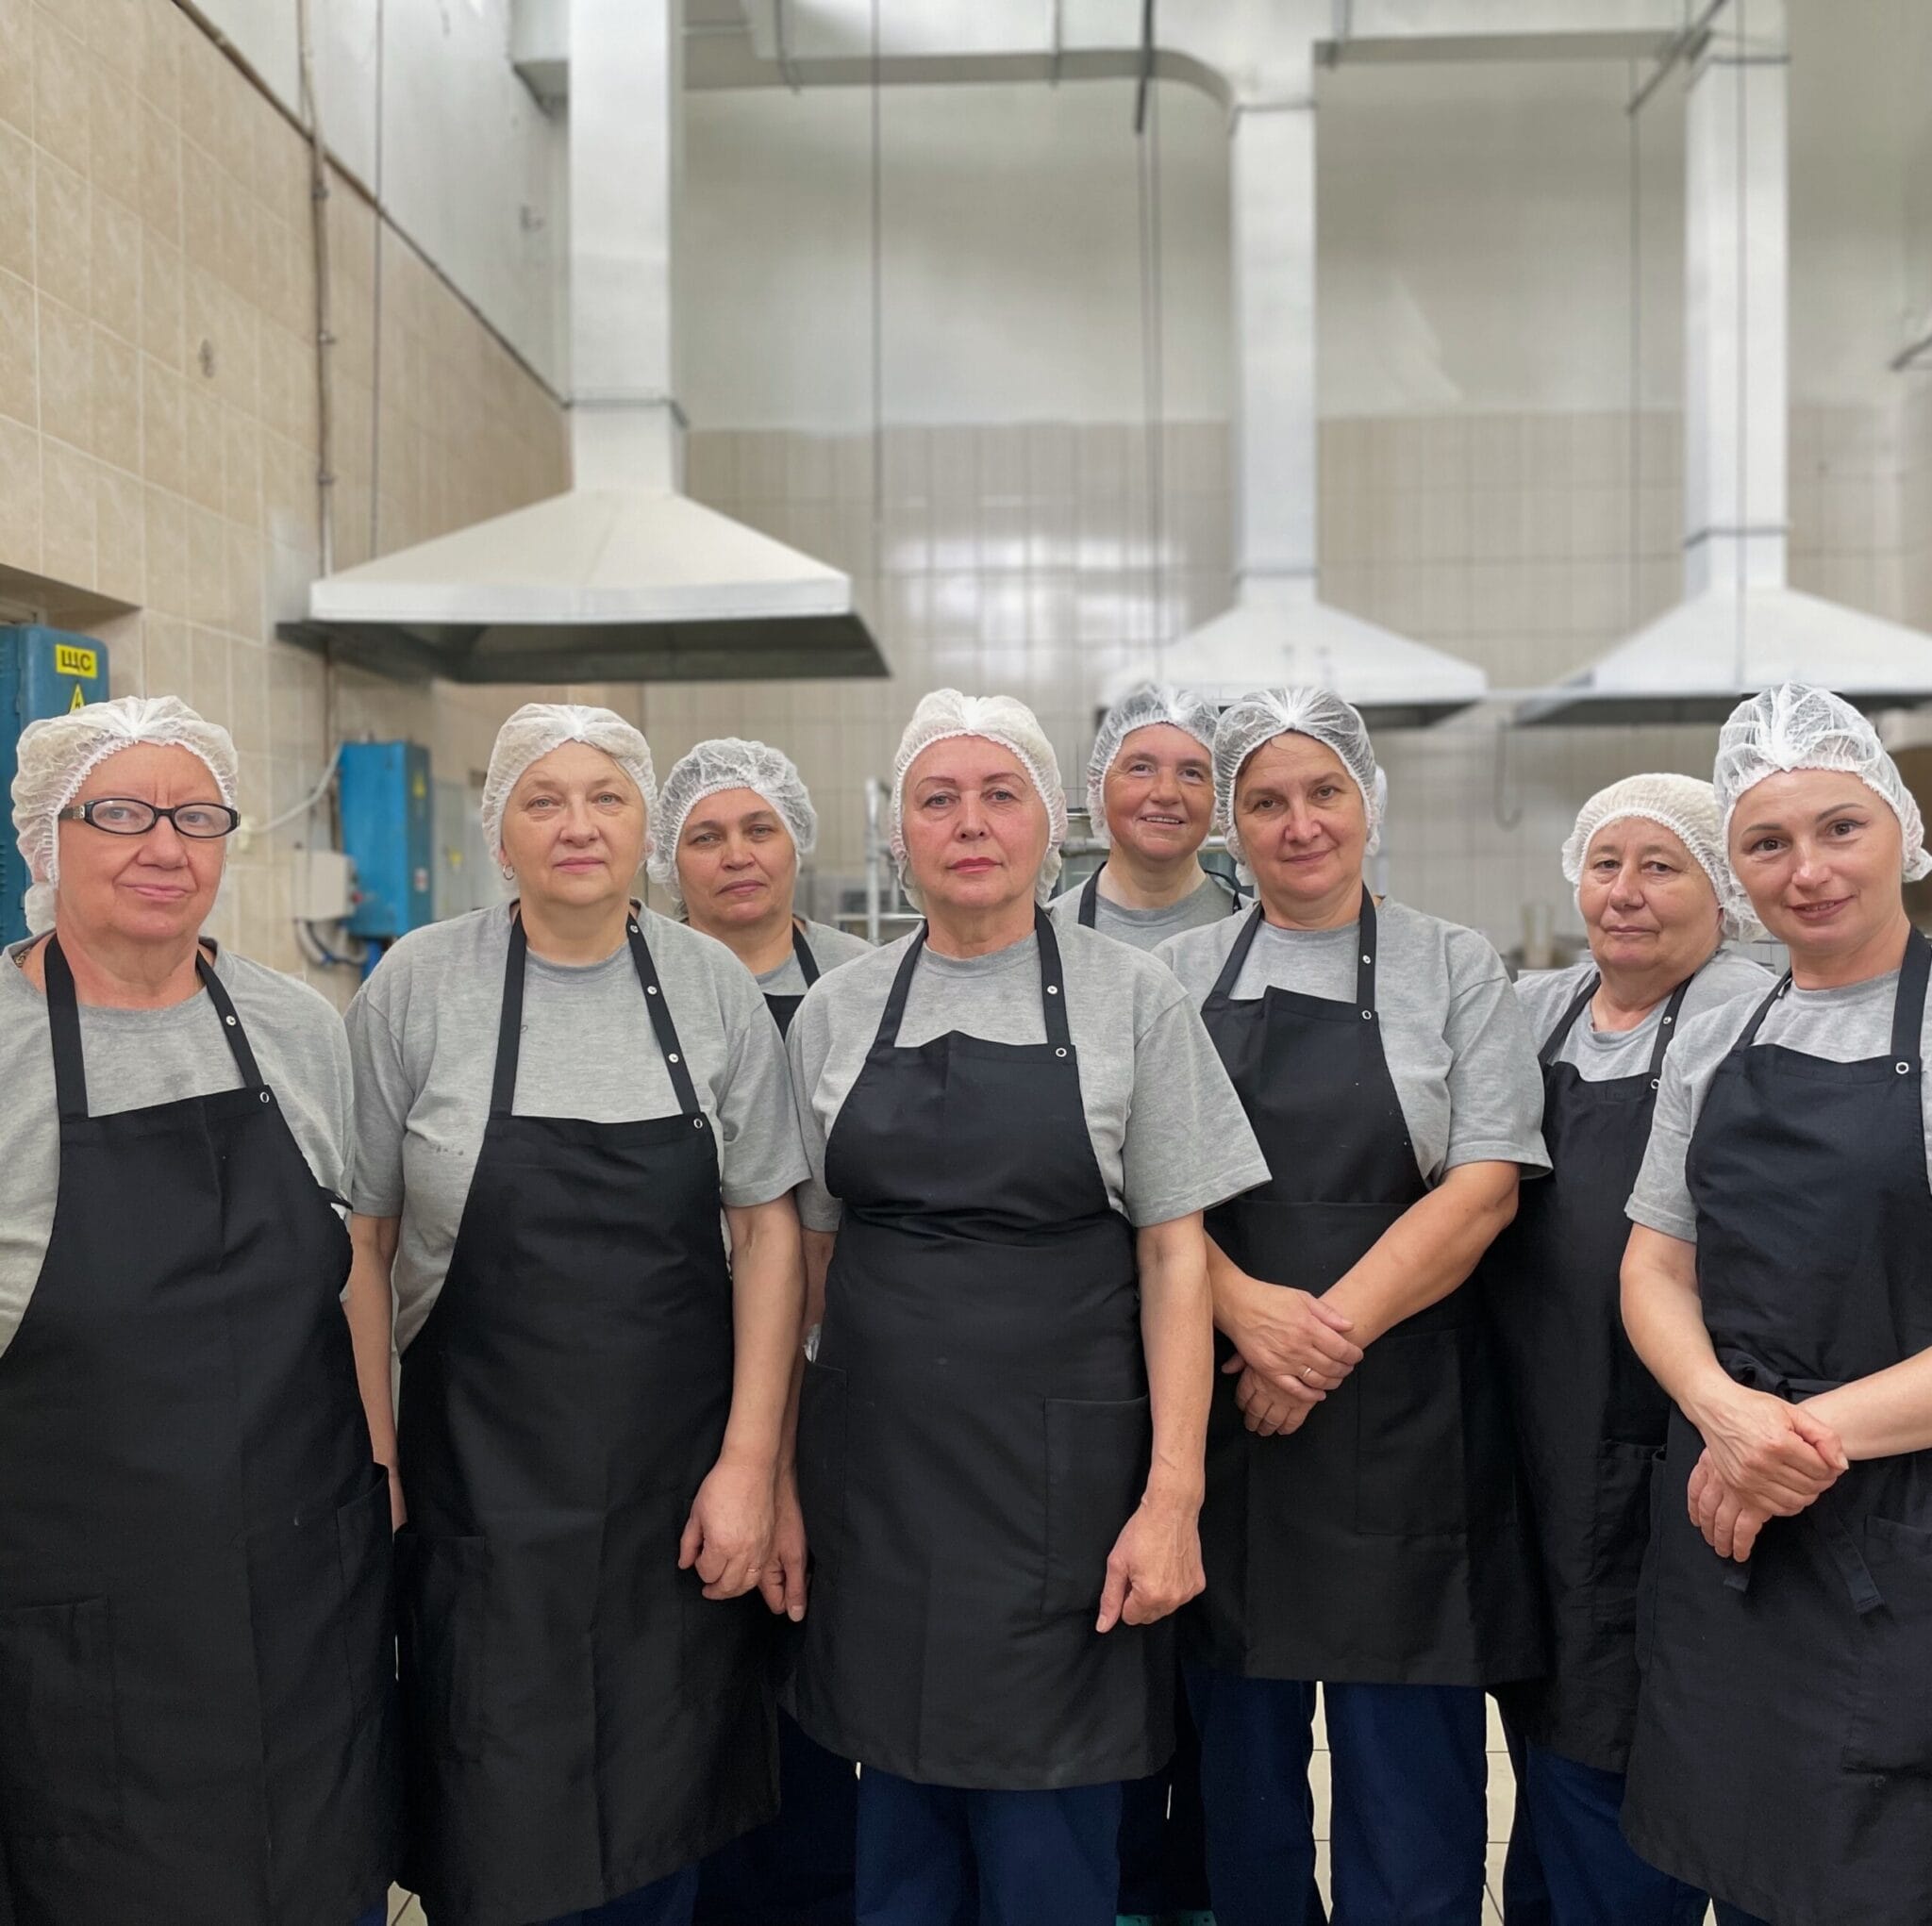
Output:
x=196 y=1671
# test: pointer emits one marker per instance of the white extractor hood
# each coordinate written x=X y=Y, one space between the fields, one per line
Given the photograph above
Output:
x=623 y=577
x=1740 y=627
x=1279 y=629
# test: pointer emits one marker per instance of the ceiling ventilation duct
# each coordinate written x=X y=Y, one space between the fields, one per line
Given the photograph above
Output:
x=1738 y=628
x=1279 y=630
x=624 y=578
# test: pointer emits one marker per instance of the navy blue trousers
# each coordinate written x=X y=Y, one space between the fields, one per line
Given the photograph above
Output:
x=797 y=1870
x=663 y=1903
x=1408 y=1801
x=1730 y=1916
x=1592 y=1877
x=941 y=1855
x=376 y=1916
x=1163 y=1830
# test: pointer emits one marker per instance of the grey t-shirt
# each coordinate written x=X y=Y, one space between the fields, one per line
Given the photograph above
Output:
x=138 y=1058
x=1843 y=1025
x=423 y=1033
x=829 y=948
x=1458 y=1048
x=1168 y=1134
x=1601 y=1055
x=1145 y=929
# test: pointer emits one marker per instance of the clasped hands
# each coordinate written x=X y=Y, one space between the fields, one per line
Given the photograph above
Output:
x=745 y=1529
x=1292 y=1349
x=1762 y=1459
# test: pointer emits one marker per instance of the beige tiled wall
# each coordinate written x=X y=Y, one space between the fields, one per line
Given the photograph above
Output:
x=159 y=400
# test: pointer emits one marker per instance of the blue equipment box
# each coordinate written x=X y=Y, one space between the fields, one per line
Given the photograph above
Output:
x=386 y=807
x=42 y=672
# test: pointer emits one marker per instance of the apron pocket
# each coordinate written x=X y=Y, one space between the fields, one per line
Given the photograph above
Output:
x=1619 y=1532
x=1410 y=1478
x=444 y=1585
x=822 y=1462
x=366 y=1546
x=1891 y=1716
x=1097 y=1454
x=59 y=1768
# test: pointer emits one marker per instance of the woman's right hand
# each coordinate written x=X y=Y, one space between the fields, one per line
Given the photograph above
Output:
x=1294 y=1340
x=1773 y=1456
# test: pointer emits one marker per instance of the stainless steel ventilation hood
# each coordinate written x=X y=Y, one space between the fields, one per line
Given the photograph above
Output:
x=1279 y=629
x=623 y=577
x=1739 y=627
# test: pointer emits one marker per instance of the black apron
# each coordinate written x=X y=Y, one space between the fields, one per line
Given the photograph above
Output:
x=580 y=1720
x=1783 y=1752
x=974 y=1431
x=1384 y=1542
x=1590 y=1418
x=1090 y=899
x=784 y=1008
x=197 y=1678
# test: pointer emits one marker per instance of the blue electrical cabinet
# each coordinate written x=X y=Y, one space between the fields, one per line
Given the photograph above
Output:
x=384 y=794
x=42 y=672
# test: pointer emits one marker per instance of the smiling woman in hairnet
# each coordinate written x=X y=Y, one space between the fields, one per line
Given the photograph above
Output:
x=196 y=1671
x=734 y=821
x=1778 y=1282
x=553 y=1098
x=1646 y=859
x=1150 y=797
x=1362 y=1524
x=1013 y=1131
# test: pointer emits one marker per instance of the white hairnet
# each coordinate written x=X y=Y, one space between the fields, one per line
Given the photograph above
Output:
x=1686 y=807
x=58 y=754
x=539 y=727
x=1317 y=712
x=727 y=762
x=1796 y=727
x=999 y=719
x=1145 y=708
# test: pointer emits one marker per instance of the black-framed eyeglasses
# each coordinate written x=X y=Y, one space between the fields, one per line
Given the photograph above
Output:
x=124 y=816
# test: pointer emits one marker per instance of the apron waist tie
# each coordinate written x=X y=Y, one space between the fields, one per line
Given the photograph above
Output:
x=1827 y=1528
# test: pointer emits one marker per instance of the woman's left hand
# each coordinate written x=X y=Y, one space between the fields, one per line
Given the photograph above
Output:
x=1266 y=1409
x=728 y=1534
x=1730 y=1524
x=1154 y=1567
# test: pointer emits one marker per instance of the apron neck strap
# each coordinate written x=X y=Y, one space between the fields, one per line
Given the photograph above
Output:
x=1052 y=993
x=1364 y=964
x=63 y=1022
x=1908 y=1006
x=807 y=963
x=509 y=1023
x=1090 y=899
x=1554 y=1041
x=1667 y=1027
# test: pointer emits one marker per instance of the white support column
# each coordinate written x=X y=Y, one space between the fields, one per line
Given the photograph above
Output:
x=1736 y=248
x=625 y=119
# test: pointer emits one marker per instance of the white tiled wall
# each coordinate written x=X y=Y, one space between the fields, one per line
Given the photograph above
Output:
x=1028 y=559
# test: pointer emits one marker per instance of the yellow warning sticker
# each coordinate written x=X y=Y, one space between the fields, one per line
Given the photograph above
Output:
x=80 y=701
x=68 y=660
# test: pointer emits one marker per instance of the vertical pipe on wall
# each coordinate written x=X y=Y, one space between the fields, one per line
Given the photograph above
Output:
x=324 y=338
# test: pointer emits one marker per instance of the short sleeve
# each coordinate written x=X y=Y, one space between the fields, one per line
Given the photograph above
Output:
x=382 y=1100
x=341 y=1116
x=1662 y=1201
x=1495 y=1087
x=1188 y=1144
x=760 y=1156
x=818 y=1209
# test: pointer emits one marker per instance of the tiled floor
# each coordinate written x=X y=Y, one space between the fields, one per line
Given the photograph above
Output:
x=403 y=1910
